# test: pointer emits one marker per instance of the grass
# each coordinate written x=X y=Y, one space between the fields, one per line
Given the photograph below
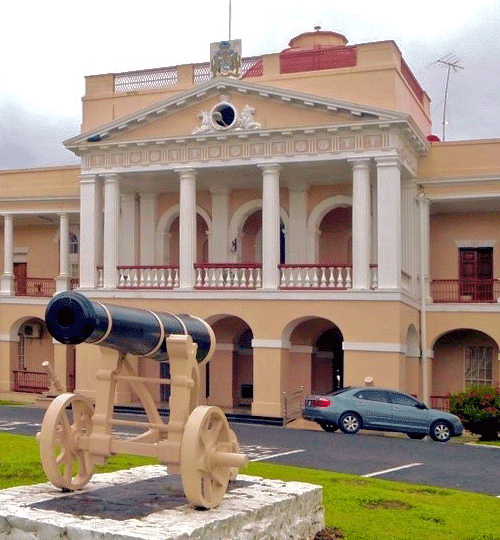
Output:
x=489 y=443
x=356 y=508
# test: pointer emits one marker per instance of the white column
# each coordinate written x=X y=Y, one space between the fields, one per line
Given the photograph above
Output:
x=7 y=281
x=148 y=228
x=425 y=259
x=63 y=244
x=361 y=224
x=187 y=228
x=270 y=225
x=129 y=233
x=91 y=229
x=111 y=229
x=423 y=206
x=219 y=241
x=389 y=222
x=297 y=238
x=62 y=281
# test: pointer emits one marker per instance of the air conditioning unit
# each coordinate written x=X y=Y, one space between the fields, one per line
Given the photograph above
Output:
x=32 y=330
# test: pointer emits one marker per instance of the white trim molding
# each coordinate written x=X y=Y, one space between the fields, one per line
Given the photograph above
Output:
x=374 y=347
x=269 y=344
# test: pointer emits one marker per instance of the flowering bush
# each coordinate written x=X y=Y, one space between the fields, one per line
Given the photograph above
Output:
x=479 y=409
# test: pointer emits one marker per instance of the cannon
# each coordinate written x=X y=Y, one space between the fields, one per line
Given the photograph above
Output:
x=77 y=435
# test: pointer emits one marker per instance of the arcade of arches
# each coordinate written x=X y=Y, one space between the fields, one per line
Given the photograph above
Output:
x=312 y=357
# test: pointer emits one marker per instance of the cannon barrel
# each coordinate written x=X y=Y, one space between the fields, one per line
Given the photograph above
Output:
x=72 y=318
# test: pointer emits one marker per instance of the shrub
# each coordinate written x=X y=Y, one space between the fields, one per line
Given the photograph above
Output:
x=478 y=407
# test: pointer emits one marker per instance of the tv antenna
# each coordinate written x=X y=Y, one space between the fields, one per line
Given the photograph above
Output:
x=451 y=63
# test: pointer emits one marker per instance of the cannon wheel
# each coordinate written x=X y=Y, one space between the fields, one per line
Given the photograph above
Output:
x=66 y=465
x=204 y=480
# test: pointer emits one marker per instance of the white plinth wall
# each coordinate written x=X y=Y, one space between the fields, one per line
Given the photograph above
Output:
x=255 y=509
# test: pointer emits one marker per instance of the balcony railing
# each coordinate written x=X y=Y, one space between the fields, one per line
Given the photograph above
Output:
x=31 y=381
x=241 y=276
x=465 y=291
x=229 y=276
x=313 y=276
x=146 y=277
x=313 y=60
x=34 y=286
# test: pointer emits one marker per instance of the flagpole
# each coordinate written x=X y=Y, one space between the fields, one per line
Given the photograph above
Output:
x=229 y=20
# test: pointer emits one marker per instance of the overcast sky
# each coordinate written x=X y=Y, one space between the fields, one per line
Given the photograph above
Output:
x=48 y=48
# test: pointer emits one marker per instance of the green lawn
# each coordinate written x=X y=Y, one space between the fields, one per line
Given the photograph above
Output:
x=362 y=508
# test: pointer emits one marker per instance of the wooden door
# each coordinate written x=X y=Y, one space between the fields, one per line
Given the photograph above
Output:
x=476 y=274
x=20 y=278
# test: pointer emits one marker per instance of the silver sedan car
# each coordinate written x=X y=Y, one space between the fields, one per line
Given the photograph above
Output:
x=352 y=409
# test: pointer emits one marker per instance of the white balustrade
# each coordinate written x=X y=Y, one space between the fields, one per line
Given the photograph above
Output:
x=228 y=277
x=144 y=277
x=315 y=277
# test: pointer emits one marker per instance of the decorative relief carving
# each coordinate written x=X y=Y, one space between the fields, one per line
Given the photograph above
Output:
x=224 y=116
x=155 y=156
x=301 y=146
x=198 y=151
x=346 y=143
x=372 y=141
x=136 y=157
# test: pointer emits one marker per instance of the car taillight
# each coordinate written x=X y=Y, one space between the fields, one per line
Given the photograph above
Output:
x=322 y=402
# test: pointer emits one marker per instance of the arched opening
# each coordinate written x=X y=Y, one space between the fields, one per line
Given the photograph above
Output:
x=316 y=360
x=228 y=379
x=328 y=362
x=32 y=347
x=336 y=237
x=171 y=242
x=463 y=357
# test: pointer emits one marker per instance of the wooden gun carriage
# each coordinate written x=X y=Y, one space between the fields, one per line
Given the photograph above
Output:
x=76 y=436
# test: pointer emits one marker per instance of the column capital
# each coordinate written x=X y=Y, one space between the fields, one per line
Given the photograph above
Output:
x=360 y=162
x=388 y=161
x=111 y=178
x=220 y=190
x=186 y=172
x=269 y=167
x=423 y=199
x=88 y=178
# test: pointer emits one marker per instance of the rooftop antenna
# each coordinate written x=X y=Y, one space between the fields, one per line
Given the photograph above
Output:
x=451 y=63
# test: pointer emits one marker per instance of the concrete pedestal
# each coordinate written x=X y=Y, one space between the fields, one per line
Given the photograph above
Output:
x=146 y=503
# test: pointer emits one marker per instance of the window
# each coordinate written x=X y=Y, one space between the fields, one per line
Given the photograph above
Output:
x=73 y=243
x=478 y=365
x=402 y=399
x=373 y=395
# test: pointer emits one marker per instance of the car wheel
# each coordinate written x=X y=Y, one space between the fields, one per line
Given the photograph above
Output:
x=416 y=435
x=350 y=423
x=440 y=431
x=330 y=427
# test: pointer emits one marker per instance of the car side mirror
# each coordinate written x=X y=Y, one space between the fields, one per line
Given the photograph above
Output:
x=421 y=405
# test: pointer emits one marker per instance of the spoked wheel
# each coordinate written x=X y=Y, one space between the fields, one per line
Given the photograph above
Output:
x=66 y=465
x=208 y=457
x=350 y=423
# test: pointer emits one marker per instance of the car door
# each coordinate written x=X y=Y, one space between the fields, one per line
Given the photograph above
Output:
x=406 y=416
x=374 y=407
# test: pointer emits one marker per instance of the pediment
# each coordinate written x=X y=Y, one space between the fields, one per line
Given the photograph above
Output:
x=249 y=107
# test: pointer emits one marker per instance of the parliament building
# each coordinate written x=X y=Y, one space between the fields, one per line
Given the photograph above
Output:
x=297 y=201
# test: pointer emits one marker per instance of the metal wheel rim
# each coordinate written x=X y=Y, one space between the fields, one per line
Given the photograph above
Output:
x=65 y=464
x=350 y=422
x=442 y=432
